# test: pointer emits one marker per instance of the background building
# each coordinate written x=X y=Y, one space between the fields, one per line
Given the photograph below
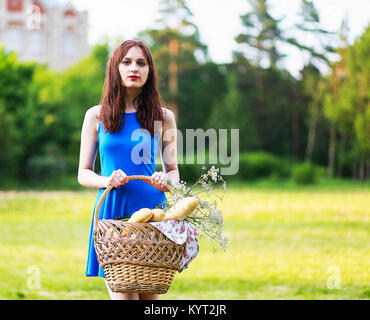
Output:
x=47 y=31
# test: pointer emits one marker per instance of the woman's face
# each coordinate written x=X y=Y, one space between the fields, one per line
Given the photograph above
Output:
x=134 y=68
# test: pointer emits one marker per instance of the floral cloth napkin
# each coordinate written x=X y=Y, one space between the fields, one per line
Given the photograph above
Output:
x=180 y=232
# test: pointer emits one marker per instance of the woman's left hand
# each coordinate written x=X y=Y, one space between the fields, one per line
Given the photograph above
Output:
x=158 y=179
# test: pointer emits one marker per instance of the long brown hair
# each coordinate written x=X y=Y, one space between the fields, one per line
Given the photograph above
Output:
x=112 y=100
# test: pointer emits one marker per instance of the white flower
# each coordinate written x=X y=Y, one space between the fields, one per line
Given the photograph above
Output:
x=207 y=218
x=213 y=173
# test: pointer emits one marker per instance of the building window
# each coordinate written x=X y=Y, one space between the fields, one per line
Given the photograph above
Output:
x=15 y=5
x=14 y=40
x=39 y=6
x=69 y=45
x=69 y=13
x=34 y=17
x=16 y=24
x=37 y=43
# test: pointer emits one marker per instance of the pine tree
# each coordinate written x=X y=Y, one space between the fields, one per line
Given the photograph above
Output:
x=262 y=32
x=309 y=27
x=174 y=41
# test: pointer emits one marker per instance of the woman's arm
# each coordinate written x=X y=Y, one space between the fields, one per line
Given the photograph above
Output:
x=168 y=153
x=86 y=175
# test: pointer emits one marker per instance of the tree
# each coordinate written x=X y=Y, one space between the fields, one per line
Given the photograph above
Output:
x=312 y=88
x=15 y=89
x=319 y=45
x=347 y=105
x=174 y=42
x=235 y=112
x=262 y=33
x=275 y=89
x=175 y=45
x=317 y=51
x=358 y=70
x=81 y=85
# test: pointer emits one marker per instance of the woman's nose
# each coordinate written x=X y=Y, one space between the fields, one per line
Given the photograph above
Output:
x=133 y=67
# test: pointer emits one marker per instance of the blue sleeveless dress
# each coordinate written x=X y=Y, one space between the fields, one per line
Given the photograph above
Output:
x=133 y=150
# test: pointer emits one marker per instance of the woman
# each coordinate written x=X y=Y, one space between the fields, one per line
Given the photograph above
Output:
x=130 y=106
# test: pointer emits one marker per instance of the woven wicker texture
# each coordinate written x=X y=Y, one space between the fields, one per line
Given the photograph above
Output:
x=124 y=277
x=143 y=260
x=143 y=244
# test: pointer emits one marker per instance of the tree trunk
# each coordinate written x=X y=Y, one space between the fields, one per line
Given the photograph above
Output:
x=173 y=73
x=311 y=135
x=259 y=76
x=368 y=170
x=295 y=137
x=354 y=171
x=361 y=171
x=340 y=156
x=331 y=162
x=260 y=88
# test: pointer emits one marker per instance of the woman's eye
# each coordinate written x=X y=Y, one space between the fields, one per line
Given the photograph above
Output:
x=128 y=62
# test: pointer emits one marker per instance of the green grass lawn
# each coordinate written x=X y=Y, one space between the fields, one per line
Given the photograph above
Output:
x=282 y=244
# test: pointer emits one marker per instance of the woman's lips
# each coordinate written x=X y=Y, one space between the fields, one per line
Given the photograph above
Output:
x=133 y=77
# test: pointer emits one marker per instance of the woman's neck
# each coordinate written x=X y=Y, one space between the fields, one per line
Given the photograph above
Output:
x=130 y=95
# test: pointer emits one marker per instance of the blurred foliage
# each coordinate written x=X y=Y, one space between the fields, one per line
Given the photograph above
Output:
x=304 y=174
x=258 y=165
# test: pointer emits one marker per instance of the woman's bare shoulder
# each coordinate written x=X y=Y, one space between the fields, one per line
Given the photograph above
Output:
x=168 y=115
x=92 y=114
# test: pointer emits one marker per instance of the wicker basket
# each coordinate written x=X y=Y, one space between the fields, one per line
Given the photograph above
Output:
x=143 y=261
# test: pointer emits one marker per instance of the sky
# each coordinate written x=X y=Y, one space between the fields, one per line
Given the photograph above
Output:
x=218 y=21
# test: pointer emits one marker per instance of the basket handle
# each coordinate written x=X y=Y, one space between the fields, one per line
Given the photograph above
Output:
x=110 y=187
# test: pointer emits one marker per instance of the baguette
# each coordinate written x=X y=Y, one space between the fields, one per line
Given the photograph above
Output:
x=142 y=215
x=182 y=209
x=158 y=215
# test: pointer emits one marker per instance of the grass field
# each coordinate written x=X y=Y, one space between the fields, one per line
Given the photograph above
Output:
x=283 y=244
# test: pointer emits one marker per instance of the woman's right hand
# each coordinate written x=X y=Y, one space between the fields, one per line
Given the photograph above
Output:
x=117 y=178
